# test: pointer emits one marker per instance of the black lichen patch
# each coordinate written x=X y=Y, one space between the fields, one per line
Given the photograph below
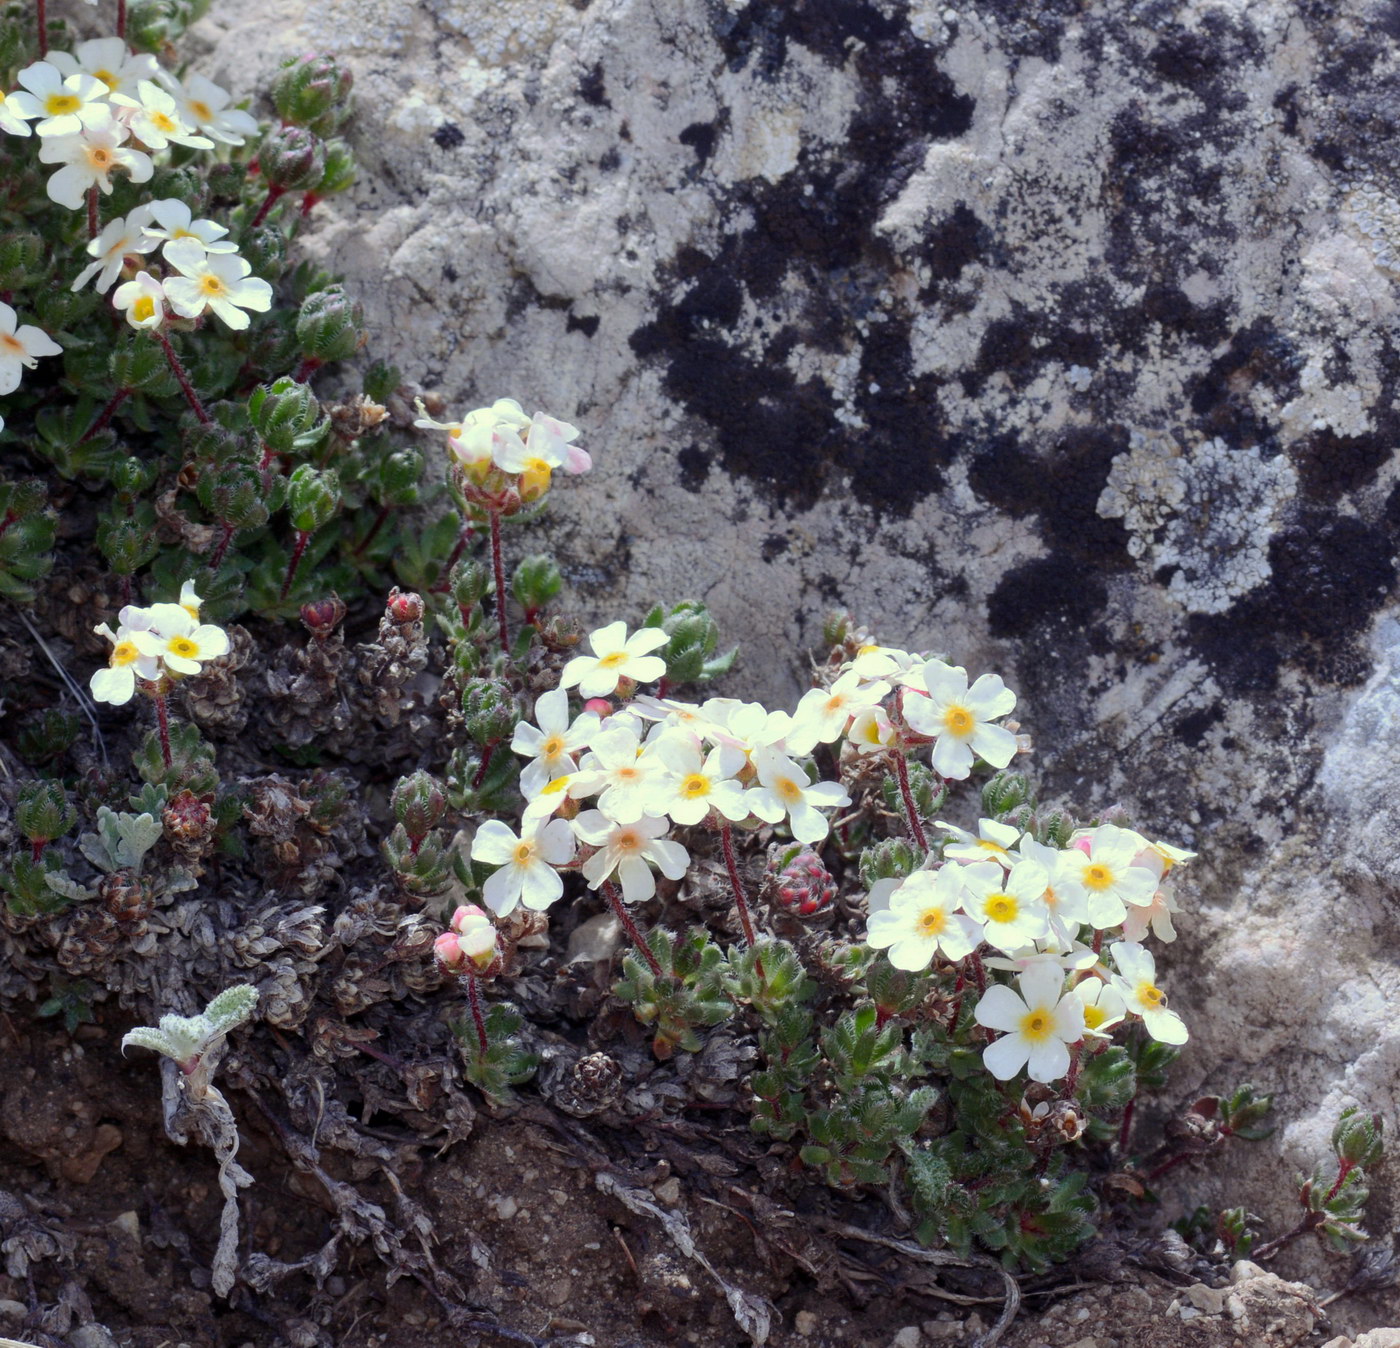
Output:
x=1220 y=396
x=1331 y=575
x=586 y=324
x=954 y=243
x=1049 y=592
x=729 y=328
x=1330 y=465
x=448 y=136
x=592 y=89
x=695 y=467
x=1192 y=728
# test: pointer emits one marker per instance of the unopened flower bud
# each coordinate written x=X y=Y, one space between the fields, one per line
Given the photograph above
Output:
x=330 y=326
x=340 y=170
x=418 y=804
x=322 y=616
x=313 y=496
x=312 y=91
x=403 y=606
x=889 y=859
x=283 y=412
x=804 y=886
x=292 y=158
x=186 y=818
x=600 y=705
x=489 y=710
x=448 y=952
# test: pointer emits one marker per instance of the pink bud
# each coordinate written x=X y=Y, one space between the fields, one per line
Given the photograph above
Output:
x=448 y=951
x=601 y=705
x=465 y=916
x=403 y=606
x=1082 y=844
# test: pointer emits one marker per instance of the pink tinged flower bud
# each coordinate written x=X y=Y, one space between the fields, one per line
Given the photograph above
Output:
x=403 y=606
x=600 y=705
x=323 y=616
x=804 y=885
x=447 y=950
x=464 y=916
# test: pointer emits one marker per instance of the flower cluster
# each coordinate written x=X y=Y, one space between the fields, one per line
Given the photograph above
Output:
x=645 y=766
x=102 y=108
x=500 y=442
x=164 y=641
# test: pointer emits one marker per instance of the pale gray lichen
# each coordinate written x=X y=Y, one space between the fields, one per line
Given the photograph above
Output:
x=1374 y=216
x=1208 y=515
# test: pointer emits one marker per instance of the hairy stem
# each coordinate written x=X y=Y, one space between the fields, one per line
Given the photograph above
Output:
x=106 y=414
x=41 y=11
x=726 y=837
x=458 y=548
x=901 y=771
x=121 y=18
x=299 y=547
x=182 y=376
x=615 y=903
x=216 y=558
x=498 y=568
x=163 y=726
x=92 y=212
x=274 y=194
x=373 y=531
x=478 y=1019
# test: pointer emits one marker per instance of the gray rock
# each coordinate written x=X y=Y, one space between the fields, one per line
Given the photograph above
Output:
x=1056 y=337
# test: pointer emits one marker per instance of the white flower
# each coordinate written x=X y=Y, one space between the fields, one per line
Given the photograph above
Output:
x=992 y=842
x=220 y=283
x=552 y=747
x=527 y=863
x=11 y=119
x=20 y=348
x=134 y=654
x=552 y=440
x=64 y=106
x=189 y=601
x=616 y=656
x=626 y=849
x=142 y=300
x=119 y=237
x=785 y=790
x=823 y=713
x=154 y=119
x=89 y=158
x=182 y=643
x=870 y=730
x=174 y=220
x=1007 y=903
x=1155 y=916
x=1038 y=1025
x=694 y=783
x=205 y=106
x=108 y=59
x=957 y=718
x=616 y=766
x=1105 y=867
x=920 y=918
x=885 y=662
x=1136 y=983
x=544 y=447
x=489 y=435
x=744 y=725
x=472 y=937
x=1103 y=1004
x=1064 y=897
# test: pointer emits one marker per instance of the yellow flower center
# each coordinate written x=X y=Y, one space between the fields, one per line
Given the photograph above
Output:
x=202 y=111
x=552 y=748
x=836 y=702
x=12 y=343
x=523 y=852
x=614 y=660
x=107 y=78
x=1037 y=1024
x=1002 y=908
x=183 y=646
x=56 y=105
x=163 y=123
x=144 y=309
x=627 y=840
x=556 y=787
x=1094 y=1016
x=211 y=285
x=100 y=158
x=987 y=845
x=125 y=653
x=695 y=786
x=1150 y=997
x=932 y=921
x=788 y=790
x=1097 y=876
x=959 y=722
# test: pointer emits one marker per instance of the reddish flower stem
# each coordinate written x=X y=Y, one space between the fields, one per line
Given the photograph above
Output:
x=498 y=567
x=121 y=18
x=485 y=763
x=373 y=531
x=41 y=9
x=1072 y=1076
x=10 y=517
x=957 y=1001
x=901 y=771
x=163 y=726
x=1344 y=1168
x=36 y=848
x=458 y=549
x=299 y=547
x=274 y=194
x=478 y=1019
x=1126 y=1127
x=92 y=212
x=726 y=837
x=978 y=972
x=216 y=558
x=309 y=365
x=106 y=414
x=615 y=903
x=182 y=377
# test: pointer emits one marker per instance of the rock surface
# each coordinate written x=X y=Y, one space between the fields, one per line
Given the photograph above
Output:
x=1058 y=337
